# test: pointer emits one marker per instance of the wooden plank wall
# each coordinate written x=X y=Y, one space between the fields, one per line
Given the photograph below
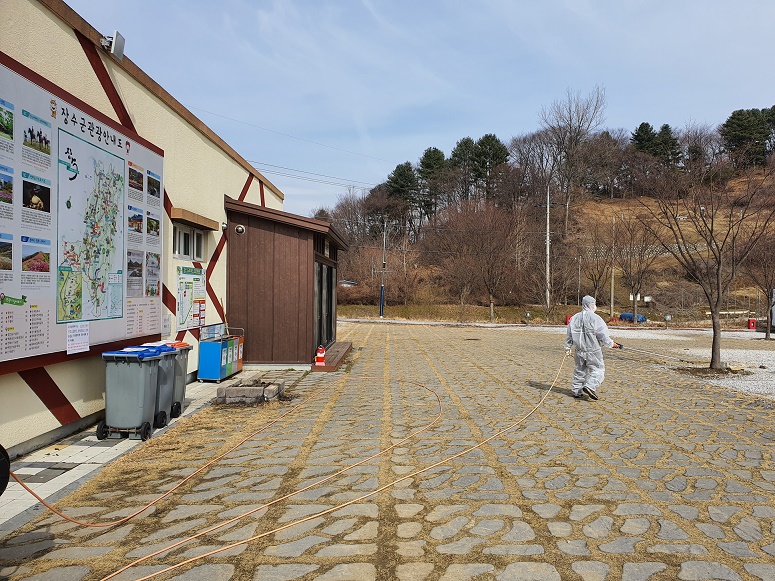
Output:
x=270 y=289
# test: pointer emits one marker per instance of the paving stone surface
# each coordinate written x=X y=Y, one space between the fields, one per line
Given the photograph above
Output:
x=455 y=472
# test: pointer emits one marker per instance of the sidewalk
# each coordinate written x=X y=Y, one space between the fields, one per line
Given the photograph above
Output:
x=666 y=477
x=58 y=469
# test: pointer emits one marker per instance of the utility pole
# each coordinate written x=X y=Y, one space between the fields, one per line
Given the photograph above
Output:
x=384 y=264
x=548 y=242
x=612 y=292
x=578 y=288
x=613 y=241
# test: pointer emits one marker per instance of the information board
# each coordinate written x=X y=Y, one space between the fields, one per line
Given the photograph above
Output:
x=80 y=224
x=192 y=297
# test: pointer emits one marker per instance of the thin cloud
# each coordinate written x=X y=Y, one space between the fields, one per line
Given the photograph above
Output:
x=390 y=79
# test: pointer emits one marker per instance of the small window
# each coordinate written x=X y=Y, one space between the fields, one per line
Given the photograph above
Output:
x=188 y=243
x=199 y=244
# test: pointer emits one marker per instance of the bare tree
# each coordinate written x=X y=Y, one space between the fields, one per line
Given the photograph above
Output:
x=596 y=253
x=442 y=247
x=405 y=272
x=359 y=265
x=478 y=245
x=566 y=278
x=603 y=158
x=349 y=215
x=710 y=224
x=701 y=147
x=760 y=268
x=534 y=155
x=634 y=253
x=570 y=123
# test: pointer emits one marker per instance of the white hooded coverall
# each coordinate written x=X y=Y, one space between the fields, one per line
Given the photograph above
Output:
x=588 y=332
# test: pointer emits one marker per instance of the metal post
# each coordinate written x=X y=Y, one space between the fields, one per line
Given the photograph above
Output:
x=384 y=263
x=548 y=278
x=613 y=241
x=612 y=292
x=578 y=288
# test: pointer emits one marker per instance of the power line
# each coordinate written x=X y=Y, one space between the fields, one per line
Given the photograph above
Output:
x=287 y=135
x=346 y=180
x=306 y=179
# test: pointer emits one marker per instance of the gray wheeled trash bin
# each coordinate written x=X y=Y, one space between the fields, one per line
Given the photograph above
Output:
x=5 y=469
x=131 y=384
x=181 y=371
x=166 y=386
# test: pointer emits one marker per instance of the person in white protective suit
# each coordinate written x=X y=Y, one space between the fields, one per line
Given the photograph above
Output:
x=589 y=333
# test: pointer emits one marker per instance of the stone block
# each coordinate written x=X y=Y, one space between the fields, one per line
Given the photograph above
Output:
x=245 y=391
x=250 y=394
x=733 y=366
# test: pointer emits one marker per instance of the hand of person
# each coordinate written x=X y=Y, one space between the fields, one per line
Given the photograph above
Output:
x=617 y=345
x=567 y=351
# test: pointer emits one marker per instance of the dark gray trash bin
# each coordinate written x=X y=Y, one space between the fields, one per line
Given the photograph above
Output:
x=131 y=385
x=166 y=386
x=181 y=372
x=5 y=469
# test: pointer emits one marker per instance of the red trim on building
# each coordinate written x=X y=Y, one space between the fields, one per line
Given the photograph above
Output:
x=260 y=187
x=168 y=299
x=216 y=302
x=216 y=255
x=49 y=393
x=182 y=334
x=246 y=187
x=167 y=204
x=210 y=290
x=71 y=99
x=107 y=83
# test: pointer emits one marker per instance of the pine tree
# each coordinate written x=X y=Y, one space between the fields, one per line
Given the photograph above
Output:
x=746 y=134
x=667 y=147
x=644 y=138
x=490 y=152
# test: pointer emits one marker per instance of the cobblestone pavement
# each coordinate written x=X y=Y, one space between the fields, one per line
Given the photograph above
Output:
x=665 y=477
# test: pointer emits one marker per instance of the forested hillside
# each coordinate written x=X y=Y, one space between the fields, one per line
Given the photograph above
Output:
x=681 y=215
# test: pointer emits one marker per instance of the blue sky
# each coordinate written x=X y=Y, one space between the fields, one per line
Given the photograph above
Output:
x=349 y=89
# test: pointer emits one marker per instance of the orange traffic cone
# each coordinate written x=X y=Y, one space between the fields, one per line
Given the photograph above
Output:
x=320 y=356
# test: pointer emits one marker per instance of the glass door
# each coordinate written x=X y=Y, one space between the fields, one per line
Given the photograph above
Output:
x=316 y=302
x=324 y=307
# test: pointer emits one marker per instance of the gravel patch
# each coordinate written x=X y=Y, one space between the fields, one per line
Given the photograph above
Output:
x=759 y=364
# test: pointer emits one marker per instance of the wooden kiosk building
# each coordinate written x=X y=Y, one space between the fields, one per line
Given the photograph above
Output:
x=290 y=262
